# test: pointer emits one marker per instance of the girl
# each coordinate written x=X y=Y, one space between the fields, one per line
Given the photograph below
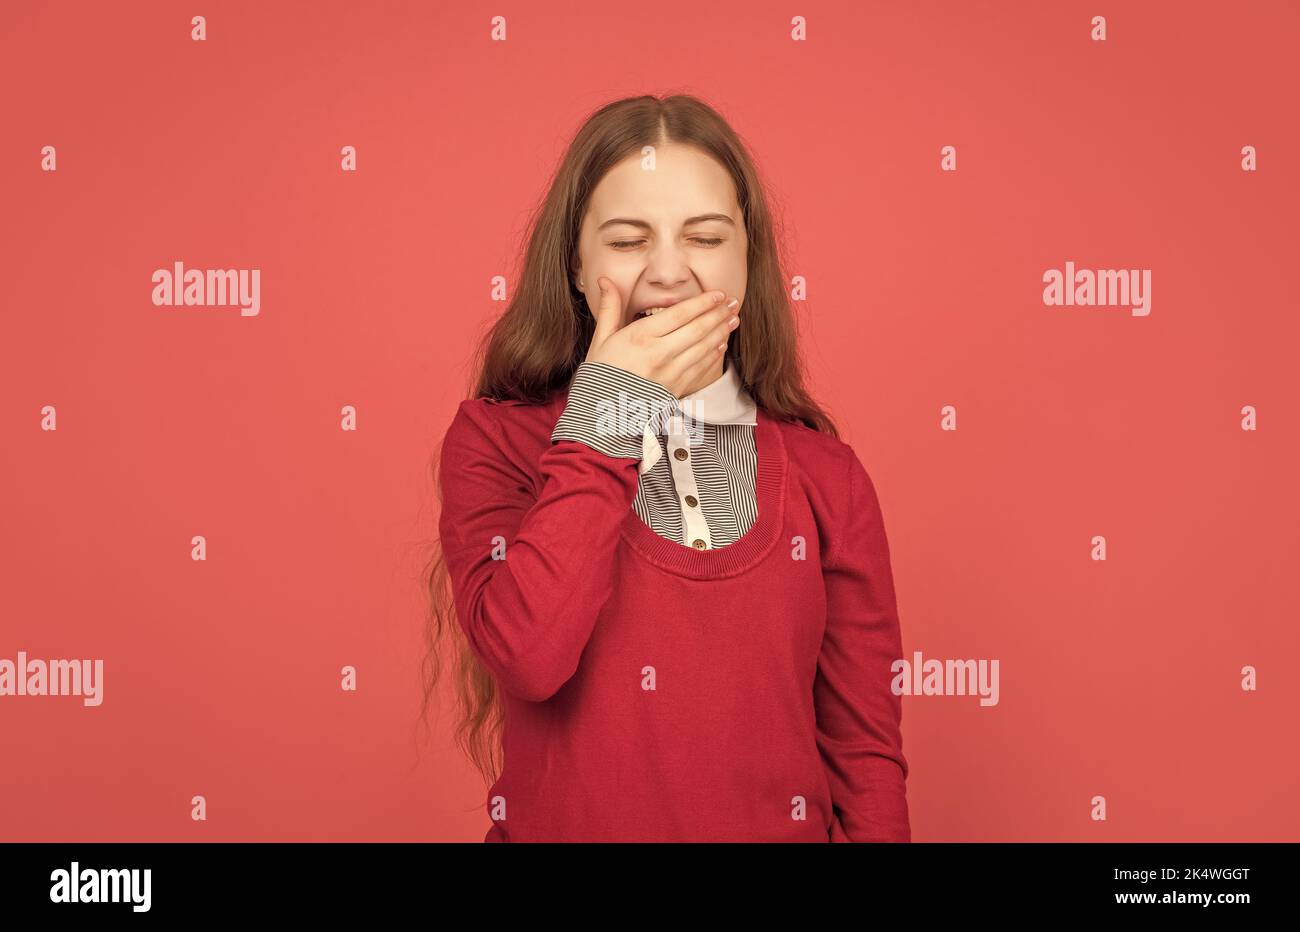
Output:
x=665 y=578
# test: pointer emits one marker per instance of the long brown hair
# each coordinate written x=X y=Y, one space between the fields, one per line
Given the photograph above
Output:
x=546 y=329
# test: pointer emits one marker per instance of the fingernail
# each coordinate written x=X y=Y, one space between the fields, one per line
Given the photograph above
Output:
x=732 y=303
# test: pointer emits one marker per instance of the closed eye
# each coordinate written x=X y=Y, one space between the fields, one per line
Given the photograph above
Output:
x=708 y=242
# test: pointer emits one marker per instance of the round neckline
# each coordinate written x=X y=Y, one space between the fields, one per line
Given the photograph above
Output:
x=753 y=545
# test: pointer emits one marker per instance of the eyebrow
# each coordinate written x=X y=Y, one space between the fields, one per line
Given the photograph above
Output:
x=646 y=226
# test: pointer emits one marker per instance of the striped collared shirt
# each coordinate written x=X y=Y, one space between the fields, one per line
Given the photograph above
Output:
x=697 y=457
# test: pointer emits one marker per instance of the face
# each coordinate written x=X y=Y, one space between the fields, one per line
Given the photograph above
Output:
x=665 y=234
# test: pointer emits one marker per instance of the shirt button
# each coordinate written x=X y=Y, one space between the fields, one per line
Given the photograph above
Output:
x=697 y=544
x=692 y=500
x=680 y=453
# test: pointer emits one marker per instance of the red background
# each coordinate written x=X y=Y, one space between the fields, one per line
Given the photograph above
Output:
x=1118 y=678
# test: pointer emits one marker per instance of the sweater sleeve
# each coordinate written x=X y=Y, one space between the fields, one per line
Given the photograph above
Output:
x=859 y=717
x=530 y=567
x=609 y=409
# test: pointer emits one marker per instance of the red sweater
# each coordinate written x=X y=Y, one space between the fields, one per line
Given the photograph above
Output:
x=655 y=692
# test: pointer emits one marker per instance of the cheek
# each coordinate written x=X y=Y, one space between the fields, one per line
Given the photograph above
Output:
x=724 y=271
x=625 y=279
x=726 y=260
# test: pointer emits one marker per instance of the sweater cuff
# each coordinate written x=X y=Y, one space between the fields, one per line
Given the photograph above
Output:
x=610 y=409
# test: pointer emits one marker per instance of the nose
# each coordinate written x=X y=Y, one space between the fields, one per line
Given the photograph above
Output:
x=667 y=263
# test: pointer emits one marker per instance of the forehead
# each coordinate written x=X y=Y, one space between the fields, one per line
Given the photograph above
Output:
x=684 y=181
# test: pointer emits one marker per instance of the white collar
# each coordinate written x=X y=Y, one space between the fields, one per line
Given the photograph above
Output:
x=722 y=401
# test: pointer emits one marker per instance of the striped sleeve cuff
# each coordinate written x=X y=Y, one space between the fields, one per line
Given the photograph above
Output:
x=609 y=409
